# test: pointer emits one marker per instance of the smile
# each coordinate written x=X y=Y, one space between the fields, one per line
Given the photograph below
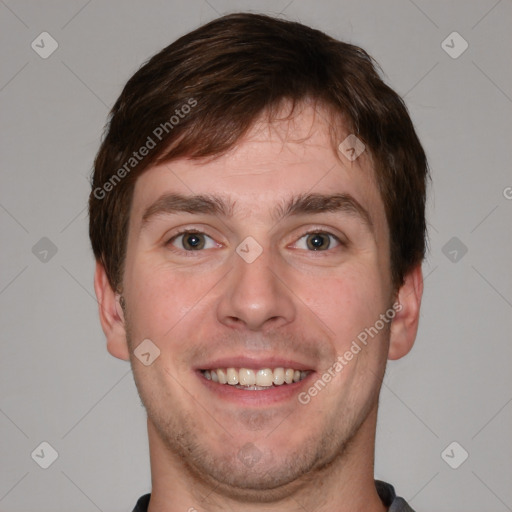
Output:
x=253 y=379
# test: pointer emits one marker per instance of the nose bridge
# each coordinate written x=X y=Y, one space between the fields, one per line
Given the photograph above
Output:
x=254 y=295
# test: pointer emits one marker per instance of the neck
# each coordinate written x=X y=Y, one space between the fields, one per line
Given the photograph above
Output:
x=346 y=484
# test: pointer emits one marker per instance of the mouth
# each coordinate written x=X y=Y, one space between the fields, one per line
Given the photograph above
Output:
x=254 y=379
x=255 y=383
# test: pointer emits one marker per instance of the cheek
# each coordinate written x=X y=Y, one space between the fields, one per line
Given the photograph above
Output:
x=350 y=304
x=347 y=301
x=160 y=298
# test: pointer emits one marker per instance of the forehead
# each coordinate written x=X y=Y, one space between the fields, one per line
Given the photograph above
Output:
x=273 y=162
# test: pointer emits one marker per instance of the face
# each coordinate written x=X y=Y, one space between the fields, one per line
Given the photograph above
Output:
x=261 y=267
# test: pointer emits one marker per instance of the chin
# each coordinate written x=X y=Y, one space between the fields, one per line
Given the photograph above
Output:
x=253 y=467
x=260 y=477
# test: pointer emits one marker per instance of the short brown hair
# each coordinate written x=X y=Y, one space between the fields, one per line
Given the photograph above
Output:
x=228 y=73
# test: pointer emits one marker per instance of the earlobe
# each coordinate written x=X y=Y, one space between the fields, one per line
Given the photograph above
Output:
x=111 y=314
x=405 y=324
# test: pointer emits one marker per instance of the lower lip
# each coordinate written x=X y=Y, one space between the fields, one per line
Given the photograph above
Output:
x=264 y=397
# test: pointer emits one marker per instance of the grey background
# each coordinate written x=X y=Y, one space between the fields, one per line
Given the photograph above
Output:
x=59 y=384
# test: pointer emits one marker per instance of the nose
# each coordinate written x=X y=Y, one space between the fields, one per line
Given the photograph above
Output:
x=255 y=296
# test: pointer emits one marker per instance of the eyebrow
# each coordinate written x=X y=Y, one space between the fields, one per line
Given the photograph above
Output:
x=302 y=204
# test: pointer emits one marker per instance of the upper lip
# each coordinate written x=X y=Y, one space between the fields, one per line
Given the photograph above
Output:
x=253 y=363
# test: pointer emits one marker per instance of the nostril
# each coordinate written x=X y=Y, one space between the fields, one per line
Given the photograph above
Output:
x=234 y=320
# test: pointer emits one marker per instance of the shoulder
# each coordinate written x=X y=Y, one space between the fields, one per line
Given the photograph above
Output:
x=142 y=503
x=390 y=499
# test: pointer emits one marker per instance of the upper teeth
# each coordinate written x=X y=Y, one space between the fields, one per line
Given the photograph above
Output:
x=247 y=377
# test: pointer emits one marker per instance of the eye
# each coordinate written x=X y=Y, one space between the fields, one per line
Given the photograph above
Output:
x=318 y=241
x=192 y=241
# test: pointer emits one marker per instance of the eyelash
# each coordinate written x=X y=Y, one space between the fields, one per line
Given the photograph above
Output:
x=185 y=232
x=199 y=232
x=322 y=232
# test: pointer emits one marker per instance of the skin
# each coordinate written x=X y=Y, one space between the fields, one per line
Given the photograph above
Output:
x=291 y=302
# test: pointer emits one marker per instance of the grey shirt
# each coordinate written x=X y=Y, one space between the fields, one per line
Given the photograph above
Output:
x=389 y=498
x=386 y=492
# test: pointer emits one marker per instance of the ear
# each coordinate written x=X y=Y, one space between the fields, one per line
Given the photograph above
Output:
x=405 y=323
x=111 y=315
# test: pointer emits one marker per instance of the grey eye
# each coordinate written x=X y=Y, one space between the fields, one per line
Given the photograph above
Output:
x=317 y=241
x=193 y=241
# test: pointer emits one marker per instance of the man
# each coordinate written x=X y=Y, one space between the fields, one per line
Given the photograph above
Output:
x=257 y=217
